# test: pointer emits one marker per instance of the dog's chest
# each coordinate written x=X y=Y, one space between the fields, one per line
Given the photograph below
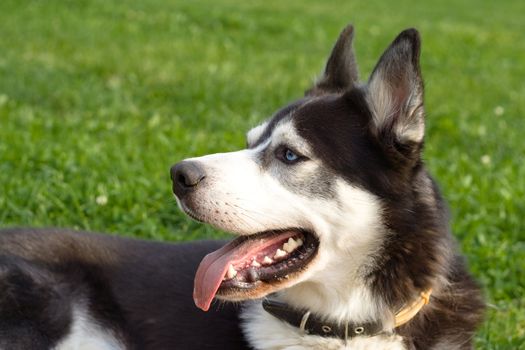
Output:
x=264 y=332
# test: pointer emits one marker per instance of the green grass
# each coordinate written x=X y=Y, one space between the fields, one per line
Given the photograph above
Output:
x=98 y=98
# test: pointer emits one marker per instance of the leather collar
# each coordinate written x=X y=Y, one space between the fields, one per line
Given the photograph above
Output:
x=315 y=325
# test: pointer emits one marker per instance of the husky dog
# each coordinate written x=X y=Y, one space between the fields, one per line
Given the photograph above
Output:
x=343 y=240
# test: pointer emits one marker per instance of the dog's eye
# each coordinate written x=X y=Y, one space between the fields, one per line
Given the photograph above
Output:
x=287 y=156
x=290 y=156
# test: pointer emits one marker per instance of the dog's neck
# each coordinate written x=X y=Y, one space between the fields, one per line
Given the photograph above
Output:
x=338 y=289
x=351 y=302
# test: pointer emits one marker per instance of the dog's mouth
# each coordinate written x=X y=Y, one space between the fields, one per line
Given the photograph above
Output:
x=251 y=263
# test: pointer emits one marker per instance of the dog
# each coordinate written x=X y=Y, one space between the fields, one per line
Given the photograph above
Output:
x=343 y=240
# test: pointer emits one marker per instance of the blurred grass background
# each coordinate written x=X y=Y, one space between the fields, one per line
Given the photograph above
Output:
x=98 y=98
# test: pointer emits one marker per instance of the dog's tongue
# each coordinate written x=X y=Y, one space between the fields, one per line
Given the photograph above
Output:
x=210 y=273
x=214 y=266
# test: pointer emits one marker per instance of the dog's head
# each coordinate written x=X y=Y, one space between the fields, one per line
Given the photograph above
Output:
x=312 y=193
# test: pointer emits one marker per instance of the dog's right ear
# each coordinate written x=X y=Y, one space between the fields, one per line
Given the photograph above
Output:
x=340 y=73
x=395 y=91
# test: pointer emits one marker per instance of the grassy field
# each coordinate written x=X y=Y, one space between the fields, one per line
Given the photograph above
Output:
x=98 y=98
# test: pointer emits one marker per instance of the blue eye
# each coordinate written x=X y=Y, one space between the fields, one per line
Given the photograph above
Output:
x=287 y=156
x=290 y=156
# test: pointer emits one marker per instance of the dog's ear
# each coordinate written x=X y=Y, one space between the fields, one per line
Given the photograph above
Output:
x=340 y=73
x=395 y=91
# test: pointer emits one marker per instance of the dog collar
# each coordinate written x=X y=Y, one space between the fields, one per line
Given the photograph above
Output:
x=315 y=325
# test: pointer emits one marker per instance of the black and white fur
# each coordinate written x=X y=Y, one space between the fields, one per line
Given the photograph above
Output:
x=360 y=186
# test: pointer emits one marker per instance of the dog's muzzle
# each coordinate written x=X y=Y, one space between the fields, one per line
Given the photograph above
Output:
x=186 y=176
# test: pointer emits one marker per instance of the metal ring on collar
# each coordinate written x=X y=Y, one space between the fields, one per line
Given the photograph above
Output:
x=304 y=320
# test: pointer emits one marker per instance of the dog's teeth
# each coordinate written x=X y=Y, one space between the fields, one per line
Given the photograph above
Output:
x=292 y=244
x=279 y=254
x=255 y=263
x=267 y=260
x=231 y=272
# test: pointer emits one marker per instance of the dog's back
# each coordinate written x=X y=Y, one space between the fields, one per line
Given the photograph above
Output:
x=65 y=289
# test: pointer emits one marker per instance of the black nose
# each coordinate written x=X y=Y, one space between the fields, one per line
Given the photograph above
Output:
x=186 y=175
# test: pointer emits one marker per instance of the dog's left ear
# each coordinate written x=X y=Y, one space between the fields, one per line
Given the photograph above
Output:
x=340 y=73
x=395 y=92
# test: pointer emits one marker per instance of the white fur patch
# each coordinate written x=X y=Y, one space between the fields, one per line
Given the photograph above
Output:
x=350 y=232
x=402 y=110
x=254 y=134
x=239 y=198
x=285 y=133
x=86 y=334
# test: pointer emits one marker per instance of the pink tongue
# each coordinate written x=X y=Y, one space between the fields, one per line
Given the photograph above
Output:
x=213 y=267
x=210 y=273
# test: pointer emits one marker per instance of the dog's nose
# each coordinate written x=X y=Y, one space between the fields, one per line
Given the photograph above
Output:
x=186 y=175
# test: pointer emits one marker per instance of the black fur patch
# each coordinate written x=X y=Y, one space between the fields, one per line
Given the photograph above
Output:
x=35 y=307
